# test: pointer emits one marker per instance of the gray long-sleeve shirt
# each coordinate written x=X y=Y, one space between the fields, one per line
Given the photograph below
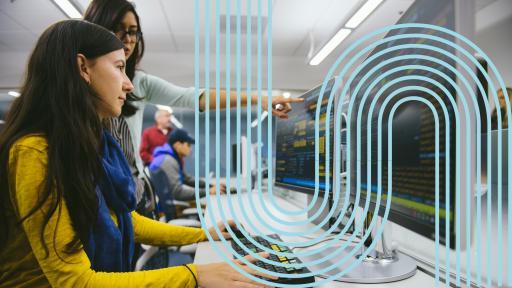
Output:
x=154 y=90
x=181 y=191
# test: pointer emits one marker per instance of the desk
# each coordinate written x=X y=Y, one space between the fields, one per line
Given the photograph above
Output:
x=250 y=201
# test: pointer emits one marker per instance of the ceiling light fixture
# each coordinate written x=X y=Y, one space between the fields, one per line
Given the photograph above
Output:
x=330 y=46
x=68 y=8
x=354 y=21
x=362 y=13
x=14 y=93
x=176 y=122
x=164 y=107
x=256 y=121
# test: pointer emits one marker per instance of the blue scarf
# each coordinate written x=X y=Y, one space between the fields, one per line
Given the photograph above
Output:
x=110 y=246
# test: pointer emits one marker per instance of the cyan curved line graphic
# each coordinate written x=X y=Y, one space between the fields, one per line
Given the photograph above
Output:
x=316 y=189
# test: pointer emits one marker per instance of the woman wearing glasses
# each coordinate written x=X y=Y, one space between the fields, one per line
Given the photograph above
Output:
x=120 y=17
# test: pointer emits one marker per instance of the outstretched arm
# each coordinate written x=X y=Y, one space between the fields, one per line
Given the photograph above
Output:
x=282 y=113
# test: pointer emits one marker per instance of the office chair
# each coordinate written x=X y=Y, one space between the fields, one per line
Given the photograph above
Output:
x=167 y=204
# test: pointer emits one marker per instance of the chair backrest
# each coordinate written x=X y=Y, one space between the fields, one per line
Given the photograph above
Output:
x=164 y=193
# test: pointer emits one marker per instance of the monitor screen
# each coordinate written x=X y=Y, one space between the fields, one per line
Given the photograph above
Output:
x=413 y=131
x=295 y=144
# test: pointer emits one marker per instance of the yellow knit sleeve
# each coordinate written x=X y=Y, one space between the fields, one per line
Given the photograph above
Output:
x=27 y=168
x=155 y=233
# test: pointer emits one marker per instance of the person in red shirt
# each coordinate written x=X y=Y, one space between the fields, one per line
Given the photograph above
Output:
x=155 y=136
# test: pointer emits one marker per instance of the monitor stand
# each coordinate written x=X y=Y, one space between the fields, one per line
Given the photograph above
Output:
x=380 y=266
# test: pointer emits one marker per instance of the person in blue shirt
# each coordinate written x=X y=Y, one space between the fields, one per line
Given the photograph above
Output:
x=170 y=158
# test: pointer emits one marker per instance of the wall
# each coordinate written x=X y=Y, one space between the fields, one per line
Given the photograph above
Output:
x=496 y=42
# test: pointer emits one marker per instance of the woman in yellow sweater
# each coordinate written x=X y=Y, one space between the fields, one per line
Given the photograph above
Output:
x=66 y=192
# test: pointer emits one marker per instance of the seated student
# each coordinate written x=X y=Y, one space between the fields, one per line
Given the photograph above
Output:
x=170 y=158
x=66 y=191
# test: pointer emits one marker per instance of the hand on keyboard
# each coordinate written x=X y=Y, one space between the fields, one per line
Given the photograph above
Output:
x=223 y=275
x=288 y=263
x=223 y=230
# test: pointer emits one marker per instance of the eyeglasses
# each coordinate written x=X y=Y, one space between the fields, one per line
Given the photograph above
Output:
x=133 y=34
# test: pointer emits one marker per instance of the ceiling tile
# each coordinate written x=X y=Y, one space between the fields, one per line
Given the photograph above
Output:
x=17 y=40
x=35 y=16
x=7 y=24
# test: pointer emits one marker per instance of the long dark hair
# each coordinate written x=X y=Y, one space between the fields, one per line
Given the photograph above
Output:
x=109 y=14
x=57 y=103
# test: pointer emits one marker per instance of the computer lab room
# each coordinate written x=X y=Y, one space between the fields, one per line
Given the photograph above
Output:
x=255 y=143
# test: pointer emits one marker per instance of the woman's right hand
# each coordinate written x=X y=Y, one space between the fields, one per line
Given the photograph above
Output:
x=223 y=275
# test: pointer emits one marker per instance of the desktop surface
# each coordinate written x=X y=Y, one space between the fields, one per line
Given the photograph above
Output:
x=206 y=253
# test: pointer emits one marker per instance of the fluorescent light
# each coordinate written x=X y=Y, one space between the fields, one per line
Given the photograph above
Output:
x=176 y=123
x=68 y=9
x=330 y=46
x=362 y=13
x=164 y=107
x=256 y=121
x=14 y=93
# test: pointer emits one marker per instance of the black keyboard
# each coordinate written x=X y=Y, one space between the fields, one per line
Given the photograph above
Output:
x=284 y=260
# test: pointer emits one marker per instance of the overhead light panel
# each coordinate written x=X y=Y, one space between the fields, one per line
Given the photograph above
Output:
x=176 y=122
x=256 y=121
x=362 y=13
x=14 y=93
x=330 y=46
x=164 y=107
x=68 y=8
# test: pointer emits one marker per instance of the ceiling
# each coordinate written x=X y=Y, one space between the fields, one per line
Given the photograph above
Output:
x=298 y=27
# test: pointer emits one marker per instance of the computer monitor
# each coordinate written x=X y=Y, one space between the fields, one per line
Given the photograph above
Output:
x=413 y=163
x=295 y=144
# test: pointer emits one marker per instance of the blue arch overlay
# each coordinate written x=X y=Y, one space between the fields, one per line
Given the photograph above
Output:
x=506 y=100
